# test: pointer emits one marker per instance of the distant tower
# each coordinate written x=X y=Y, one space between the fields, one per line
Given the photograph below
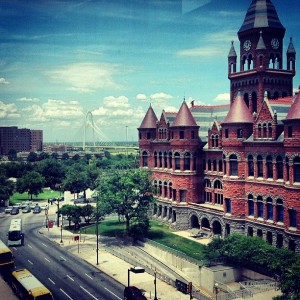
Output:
x=261 y=58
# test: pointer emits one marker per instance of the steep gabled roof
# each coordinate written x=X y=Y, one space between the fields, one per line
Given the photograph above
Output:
x=150 y=119
x=184 y=117
x=294 y=112
x=261 y=14
x=239 y=112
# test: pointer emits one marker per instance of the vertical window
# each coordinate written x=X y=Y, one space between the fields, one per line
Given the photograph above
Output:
x=287 y=168
x=240 y=133
x=204 y=164
x=166 y=190
x=293 y=217
x=280 y=210
x=279 y=167
x=155 y=159
x=216 y=141
x=290 y=131
x=269 y=209
x=214 y=165
x=264 y=130
x=181 y=134
x=212 y=141
x=260 y=172
x=250 y=166
x=182 y=195
x=220 y=166
x=228 y=205
x=165 y=160
x=145 y=159
x=148 y=135
x=297 y=169
x=224 y=164
x=177 y=161
x=270 y=130
x=193 y=135
x=209 y=165
x=160 y=189
x=226 y=133
x=160 y=160
x=170 y=160
x=187 y=161
x=170 y=191
x=260 y=207
x=233 y=165
x=250 y=205
x=269 y=167
x=259 y=130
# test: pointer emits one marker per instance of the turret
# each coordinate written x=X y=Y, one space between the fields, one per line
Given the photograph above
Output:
x=232 y=58
x=291 y=56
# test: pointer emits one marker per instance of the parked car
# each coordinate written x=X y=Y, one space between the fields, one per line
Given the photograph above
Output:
x=14 y=211
x=26 y=209
x=60 y=199
x=37 y=209
x=133 y=293
x=51 y=200
x=44 y=207
x=8 y=209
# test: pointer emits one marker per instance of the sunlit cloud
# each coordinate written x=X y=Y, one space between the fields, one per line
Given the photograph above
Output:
x=8 y=110
x=200 y=52
x=3 y=81
x=223 y=97
x=25 y=99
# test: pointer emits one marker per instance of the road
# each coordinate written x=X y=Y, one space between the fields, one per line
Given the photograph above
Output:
x=67 y=276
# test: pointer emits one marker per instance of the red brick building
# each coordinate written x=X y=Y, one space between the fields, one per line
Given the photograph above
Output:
x=242 y=174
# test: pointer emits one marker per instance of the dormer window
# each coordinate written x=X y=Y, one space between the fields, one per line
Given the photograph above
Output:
x=240 y=133
x=290 y=131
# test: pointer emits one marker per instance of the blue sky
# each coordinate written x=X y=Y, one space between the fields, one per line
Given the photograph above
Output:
x=60 y=59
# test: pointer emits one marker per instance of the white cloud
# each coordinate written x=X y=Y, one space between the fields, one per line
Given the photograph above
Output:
x=3 y=81
x=8 y=110
x=159 y=97
x=25 y=99
x=223 y=97
x=116 y=102
x=200 y=52
x=141 y=97
x=86 y=77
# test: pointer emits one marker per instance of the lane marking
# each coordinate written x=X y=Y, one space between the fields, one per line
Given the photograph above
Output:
x=70 y=277
x=46 y=259
x=51 y=280
x=29 y=246
x=113 y=294
x=62 y=258
x=88 y=292
x=89 y=276
x=30 y=262
x=44 y=245
x=65 y=294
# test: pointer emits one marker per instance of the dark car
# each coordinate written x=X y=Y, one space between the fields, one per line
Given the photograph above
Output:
x=37 y=209
x=14 y=211
x=133 y=293
x=60 y=199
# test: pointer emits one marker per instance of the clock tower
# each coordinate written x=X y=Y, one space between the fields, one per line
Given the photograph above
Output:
x=261 y=57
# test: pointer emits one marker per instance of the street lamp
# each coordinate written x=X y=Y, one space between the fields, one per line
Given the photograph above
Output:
x=97 y=230
x=61 y=229
x=155 y=296
x=136 y=270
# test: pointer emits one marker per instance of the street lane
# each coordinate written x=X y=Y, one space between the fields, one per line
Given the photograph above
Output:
x=66 y=275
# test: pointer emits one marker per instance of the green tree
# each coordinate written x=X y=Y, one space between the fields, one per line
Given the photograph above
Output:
x=65 y=156
x=12 y=155
x=52 y=170
x=32 y=183
x=87 y=212
x=6 y=187
x=43 y=155
x=32 y=157
x=69 y=211
x=129 y=192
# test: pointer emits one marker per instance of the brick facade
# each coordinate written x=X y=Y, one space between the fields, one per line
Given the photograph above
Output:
x=244 y=176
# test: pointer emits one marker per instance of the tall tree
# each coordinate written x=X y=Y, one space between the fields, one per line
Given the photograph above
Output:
x=6 y=187
x=129 y=192
x=32 y=182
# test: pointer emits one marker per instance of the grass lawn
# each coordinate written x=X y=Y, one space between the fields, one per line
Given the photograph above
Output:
x=158 y=233
x=17 y=197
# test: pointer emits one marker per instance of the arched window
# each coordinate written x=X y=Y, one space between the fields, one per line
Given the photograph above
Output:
x=259 y=130
x=159 y=188
x=155 y=159
x=165 y=189
x=218 y=185
x=216 y=141
x=279 y=167
x=260 y=207
x=214 y=165
x=165 y=160
x=264 y=130
x=280 y=210
x=209 y=165
x=287 y=168
x=250 y=166
x=233 y=165
x=297 y=169
x=145 y=159
x=269 y=167
x=220 y=166
x=224 y=164
x=260 y=172
x=170 y=160
x=160 y=160
x=270 y=130
x=212 y=141
x=170 y=190
x=250 y=205
x=177 y=161
x=187 y=161
x=207 y=183
x=269 y=209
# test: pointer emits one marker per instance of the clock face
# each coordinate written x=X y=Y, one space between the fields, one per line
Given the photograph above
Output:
x=247 y=45
x=275 y=43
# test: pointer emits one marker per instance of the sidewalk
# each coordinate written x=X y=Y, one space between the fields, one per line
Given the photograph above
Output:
x=112 y=265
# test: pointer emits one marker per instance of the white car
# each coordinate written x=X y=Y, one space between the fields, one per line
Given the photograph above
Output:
x=8 y=209
x=44 y=206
